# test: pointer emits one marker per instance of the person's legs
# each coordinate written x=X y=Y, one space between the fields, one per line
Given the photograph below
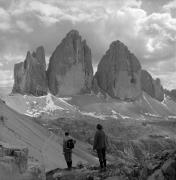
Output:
x=70 y=160
x=104 y=156
x=100 y=156
x=66 y=158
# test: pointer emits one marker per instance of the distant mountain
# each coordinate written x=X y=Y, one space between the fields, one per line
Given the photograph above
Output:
x=119 y=73
x=30 y=75
x=151 y=86
x=70 y=68
x=70 y=72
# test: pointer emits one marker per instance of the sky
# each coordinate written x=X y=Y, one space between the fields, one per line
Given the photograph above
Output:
x=147 y=27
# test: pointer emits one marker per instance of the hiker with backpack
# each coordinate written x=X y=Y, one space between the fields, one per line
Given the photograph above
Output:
x=68 y=145
x=100 y=145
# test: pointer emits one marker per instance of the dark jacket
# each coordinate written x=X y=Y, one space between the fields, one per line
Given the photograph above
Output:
x=100 y=140
x=65 y=149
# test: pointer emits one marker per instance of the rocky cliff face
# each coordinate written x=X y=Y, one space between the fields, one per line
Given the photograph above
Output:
x=119 y=73
x=70 y=72
x=30 y=75
x=70 y=68
x=159 y=91
x=151 y=86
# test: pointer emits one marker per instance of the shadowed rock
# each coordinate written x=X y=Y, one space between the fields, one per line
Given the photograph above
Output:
x=70 y=67
x=119 y=72
x=30 y=75
x=151 y=86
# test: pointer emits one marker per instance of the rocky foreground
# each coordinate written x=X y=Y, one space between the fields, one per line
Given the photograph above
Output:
x=15 y=164
x=159 y=166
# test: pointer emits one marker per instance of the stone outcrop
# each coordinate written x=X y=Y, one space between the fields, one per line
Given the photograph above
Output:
x=70 y=67
x=159 y=166
x=119 y=73
x=30 y=75
x=151 y=86
x=14 y=164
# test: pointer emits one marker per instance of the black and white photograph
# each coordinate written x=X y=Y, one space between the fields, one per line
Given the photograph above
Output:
x=87 y=89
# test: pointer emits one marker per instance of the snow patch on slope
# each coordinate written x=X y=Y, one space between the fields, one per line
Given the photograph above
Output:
x=44 y=105
x=50 y=106
x=146 y=100
x=114 y=115
x=93 y=114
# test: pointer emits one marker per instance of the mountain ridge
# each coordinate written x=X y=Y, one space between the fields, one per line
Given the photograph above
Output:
x=70 y=72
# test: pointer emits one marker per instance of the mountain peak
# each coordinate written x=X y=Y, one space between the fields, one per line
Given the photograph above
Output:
x=30 y=75
x=70 y=68
x=72 y=33
x=117 y=43
x=119 y=72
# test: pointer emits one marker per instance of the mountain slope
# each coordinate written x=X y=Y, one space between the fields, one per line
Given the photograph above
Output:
x=52 y=107
x=48 y=106
x=44 y=146
x=144 y=106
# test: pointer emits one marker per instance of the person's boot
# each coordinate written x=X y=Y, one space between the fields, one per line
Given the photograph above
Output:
x=68 y=165
x=104 y=162
x=101 y=166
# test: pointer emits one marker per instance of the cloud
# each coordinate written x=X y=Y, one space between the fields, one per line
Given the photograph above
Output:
x=6 y=78
x=165 y=70
x=159 y=32
x=24 y=26
x=170 y=6
x=4 y=20
x=71 y=10
x=167 y=78
x=12 y=49
x=151 y=36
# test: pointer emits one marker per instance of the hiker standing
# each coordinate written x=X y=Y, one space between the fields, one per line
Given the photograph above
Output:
x=68 y=145
x=100 y=145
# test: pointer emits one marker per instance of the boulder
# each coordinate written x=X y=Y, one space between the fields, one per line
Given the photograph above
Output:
x=14 y=164
x=158 y=175
x=30 y=75
x=70 y=68
x=151 y=86
x=119 y=73
x=169 y=169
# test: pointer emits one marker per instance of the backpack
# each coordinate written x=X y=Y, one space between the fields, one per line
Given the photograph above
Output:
x=70 y=144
